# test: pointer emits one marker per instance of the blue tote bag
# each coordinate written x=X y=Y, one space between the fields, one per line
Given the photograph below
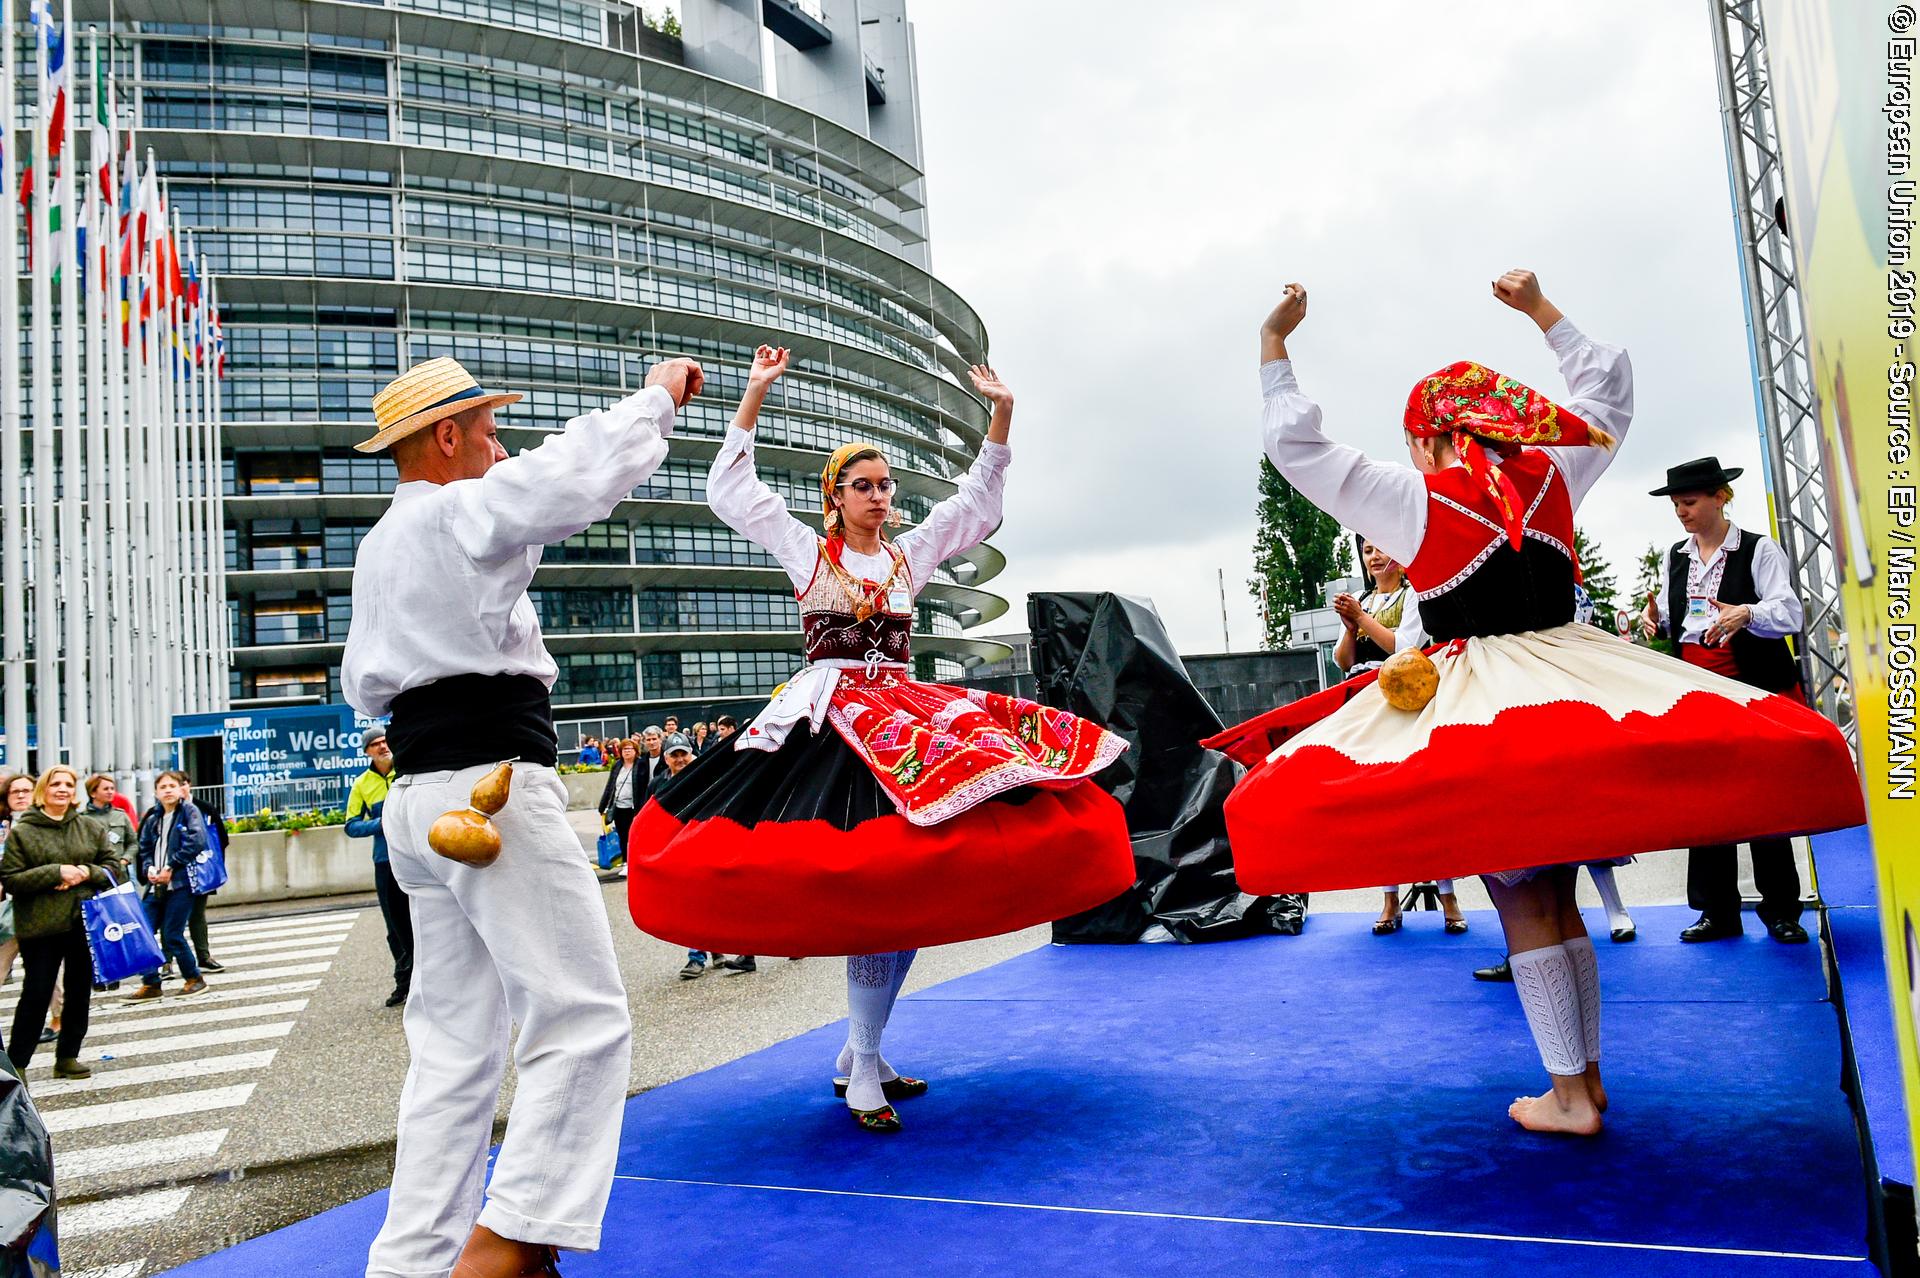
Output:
x=208 y=871
x=609 y=846
x=118 y=934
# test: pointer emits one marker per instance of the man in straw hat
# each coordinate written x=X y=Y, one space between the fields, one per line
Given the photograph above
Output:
x=445 y=639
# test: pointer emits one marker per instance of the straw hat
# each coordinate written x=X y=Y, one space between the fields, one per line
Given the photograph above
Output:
x=424 y=394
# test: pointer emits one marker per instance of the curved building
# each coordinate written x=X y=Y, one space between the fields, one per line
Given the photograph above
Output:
x=558 y=196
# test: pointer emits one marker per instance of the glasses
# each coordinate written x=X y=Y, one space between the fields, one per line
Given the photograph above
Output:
x=866 y=487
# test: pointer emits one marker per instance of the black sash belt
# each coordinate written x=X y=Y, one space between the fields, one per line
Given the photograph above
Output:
x=467 y=719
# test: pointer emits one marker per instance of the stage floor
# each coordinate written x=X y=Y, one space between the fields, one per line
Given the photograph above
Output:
x=1332 y=1103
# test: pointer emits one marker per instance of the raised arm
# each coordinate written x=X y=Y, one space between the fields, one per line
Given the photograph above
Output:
x=1599 y=379
x=1389 y=501
x=967 y=518
x=736 y=493
x=574 y=478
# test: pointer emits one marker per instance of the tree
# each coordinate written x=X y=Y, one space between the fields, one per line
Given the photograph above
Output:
x=1597 y=577
x=1652 y=574
x=1297 y=549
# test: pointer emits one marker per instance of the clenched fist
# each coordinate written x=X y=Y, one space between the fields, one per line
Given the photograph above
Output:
x=681 y=377
x=1286 y=317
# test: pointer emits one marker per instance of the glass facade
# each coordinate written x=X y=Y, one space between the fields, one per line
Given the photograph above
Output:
x=373 y=193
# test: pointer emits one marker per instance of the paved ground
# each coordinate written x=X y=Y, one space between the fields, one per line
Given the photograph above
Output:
x=272 y=1098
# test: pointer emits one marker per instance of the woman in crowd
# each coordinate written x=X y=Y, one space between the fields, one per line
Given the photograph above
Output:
x=698 y=738
x=1375 y=626
x=55 y=858
x=625 y=791
x=173 y=834
x=1726 y=599
x=122 y=836
x=1545 y=743
x=863 y=812
x=17 y=787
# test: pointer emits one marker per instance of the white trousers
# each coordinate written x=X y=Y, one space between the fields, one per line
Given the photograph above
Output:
x=522 y=942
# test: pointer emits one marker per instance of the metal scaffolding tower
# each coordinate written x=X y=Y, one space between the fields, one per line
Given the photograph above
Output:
x=1777 y=341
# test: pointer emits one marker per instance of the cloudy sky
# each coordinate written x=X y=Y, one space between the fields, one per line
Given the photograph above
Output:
x=1123 y=198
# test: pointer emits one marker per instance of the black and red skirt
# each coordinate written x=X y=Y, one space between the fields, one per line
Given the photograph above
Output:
x=819 y=847
x=1549 y=747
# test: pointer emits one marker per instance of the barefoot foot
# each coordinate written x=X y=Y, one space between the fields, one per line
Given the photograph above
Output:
x=1574 y=1115
x=1596 y=1090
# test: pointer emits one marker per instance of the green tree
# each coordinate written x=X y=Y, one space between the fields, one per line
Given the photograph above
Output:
x=1597 y=577
x=1297 y=549
x=1652 y=572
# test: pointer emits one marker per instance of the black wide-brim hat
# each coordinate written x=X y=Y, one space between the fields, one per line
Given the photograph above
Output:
x=1701 y=475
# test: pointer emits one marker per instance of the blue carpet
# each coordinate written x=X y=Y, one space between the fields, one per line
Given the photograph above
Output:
x=1331 y=1103
x=1850 y=888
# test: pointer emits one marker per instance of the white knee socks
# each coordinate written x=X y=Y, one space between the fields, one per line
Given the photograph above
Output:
x=1550 y=997
x=1586 y=981
x=873 y=984
x=1617 y=916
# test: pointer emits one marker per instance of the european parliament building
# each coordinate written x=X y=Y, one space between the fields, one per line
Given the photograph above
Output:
x=557 y=194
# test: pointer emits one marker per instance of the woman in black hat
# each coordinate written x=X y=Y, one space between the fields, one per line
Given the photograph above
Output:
x=1726 y=600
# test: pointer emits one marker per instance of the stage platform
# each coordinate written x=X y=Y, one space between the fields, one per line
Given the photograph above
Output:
x=1332 y=1103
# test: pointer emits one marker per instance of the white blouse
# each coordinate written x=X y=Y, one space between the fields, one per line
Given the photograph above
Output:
x=1389 y=500
x=1778 y=612
x=440 y=583
x=961 y=522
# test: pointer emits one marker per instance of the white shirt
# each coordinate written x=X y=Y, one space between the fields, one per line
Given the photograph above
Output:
x=1778 y=612
x=756 y=512
x=440 y=583
x=623 y=787
x=1389 y=501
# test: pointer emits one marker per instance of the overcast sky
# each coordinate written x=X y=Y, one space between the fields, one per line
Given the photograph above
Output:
x=1122 y=189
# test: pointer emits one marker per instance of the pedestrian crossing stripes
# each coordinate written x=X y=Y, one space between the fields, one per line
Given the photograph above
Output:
x=126 y=1212
x=160 y=1152
x=172 y=1077
x=215 y=1017
x=149 y=1075
x=145 y=1109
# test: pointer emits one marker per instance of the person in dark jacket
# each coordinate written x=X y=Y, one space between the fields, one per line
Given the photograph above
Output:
x=123 y=836
x=56 y=857
x=173 y=834
x=625 y=793
x=216 y=822
x=366 y=805
x=1727 y=601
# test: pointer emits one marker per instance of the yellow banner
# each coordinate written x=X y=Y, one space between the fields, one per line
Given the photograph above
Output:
x=1842 y=77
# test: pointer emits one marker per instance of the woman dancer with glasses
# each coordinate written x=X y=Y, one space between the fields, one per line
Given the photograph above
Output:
x=1546 y=743
x=863 y=812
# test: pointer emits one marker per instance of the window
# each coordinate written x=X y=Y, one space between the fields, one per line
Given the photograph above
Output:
x=671 y=610
x=675 y=544
x=602 y=543
x=714 y=674
x=595 y=676
x=579 y=611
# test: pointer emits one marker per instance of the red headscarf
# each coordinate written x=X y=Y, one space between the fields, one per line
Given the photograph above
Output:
x=1470 y=402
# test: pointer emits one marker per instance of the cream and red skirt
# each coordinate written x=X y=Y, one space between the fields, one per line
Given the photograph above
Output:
x=914 y=814
x=1549 y=747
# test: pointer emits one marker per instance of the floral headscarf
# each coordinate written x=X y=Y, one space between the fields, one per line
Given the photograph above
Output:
x=830 y=477
x=1470 y=402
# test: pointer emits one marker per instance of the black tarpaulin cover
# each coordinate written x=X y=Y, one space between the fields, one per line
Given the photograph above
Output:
x=27 y=1241
x=1108 y=658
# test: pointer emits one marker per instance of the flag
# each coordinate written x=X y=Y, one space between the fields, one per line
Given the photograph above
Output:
x=100 y=143
x=53 y=112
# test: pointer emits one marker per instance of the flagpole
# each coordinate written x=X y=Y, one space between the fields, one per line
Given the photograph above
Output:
x=98 y=657
x=46 y=602
x=140 y=480
x=123 y=641
x=13 y=505
x=223 y=636
x=214 y=543
x=72 y=434
x=166 y=512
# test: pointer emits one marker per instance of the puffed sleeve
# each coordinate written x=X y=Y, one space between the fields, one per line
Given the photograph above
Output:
x=1388 y=502
x=963 y=520
x=1600 y=390
x=746 y=505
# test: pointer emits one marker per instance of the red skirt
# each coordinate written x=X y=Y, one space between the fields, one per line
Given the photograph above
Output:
x=814 y=849
x=1555 y=747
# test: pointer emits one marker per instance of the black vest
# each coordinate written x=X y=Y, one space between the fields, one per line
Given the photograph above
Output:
x=1512 y=592
x=1764 y=663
